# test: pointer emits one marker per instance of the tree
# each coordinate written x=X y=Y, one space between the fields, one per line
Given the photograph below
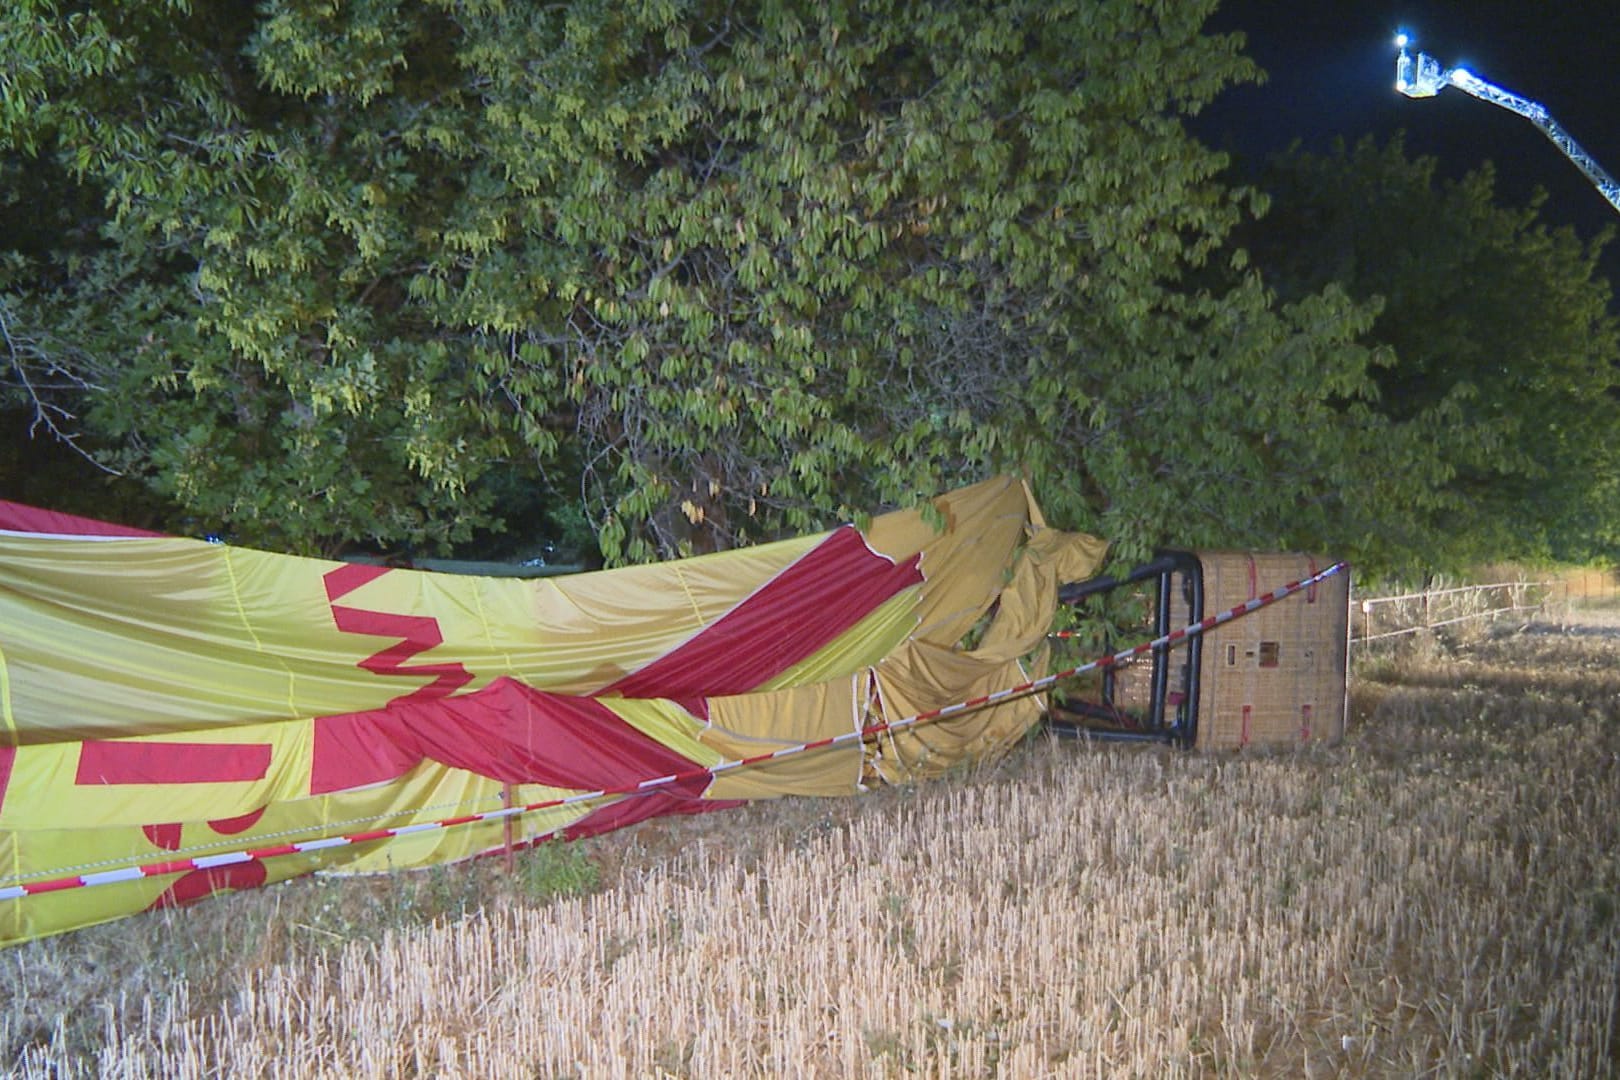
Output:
x=1500 y=329
x=339 y=272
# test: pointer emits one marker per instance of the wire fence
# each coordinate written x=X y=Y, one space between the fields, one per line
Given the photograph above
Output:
x=1380 y=618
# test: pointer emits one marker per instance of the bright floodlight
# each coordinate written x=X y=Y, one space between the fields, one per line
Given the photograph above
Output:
x=1423 y=76
x=1420 y=75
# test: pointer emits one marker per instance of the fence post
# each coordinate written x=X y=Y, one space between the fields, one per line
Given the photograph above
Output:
x=507 y=799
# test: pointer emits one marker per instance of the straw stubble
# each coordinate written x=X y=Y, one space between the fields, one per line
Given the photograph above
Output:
x=1436 y=893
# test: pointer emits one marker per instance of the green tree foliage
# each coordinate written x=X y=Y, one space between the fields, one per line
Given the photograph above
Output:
x=326 y=271
x=1502 y=332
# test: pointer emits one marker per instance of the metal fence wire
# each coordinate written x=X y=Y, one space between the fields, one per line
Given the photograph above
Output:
x=1378 y=618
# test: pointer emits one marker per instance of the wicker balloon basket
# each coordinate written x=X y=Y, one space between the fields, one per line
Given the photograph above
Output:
x=1273 y=677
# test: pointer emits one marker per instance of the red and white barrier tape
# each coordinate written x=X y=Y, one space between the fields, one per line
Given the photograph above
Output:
x=232 y=858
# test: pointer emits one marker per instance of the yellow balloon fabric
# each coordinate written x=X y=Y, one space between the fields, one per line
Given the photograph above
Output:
x=165 y=698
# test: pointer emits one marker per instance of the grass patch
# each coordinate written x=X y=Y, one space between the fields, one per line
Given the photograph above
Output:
x=556 y=868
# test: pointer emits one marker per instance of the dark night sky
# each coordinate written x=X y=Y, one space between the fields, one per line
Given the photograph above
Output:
x=1331 y=69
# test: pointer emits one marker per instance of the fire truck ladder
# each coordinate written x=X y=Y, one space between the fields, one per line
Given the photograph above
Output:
x=1423 y=76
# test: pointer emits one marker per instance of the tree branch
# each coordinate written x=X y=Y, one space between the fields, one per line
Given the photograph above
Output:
x=46 y=414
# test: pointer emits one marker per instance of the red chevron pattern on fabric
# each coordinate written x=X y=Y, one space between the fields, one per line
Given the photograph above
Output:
x=416 y=634
x=506 y=731
x=820 y=596
x=16 y=517
x=171 y=763
x=201 y=884
x=643 y=807
x=165 y=835
x=169 y=835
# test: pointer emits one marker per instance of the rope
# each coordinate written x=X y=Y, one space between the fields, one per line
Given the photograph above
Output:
x=214 y=845
x=232 y=858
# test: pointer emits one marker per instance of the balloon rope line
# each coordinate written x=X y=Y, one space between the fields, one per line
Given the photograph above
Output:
x=303 y=847
x=230 y=841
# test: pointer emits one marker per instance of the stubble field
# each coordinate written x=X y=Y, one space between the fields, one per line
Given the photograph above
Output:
x=1437 y=895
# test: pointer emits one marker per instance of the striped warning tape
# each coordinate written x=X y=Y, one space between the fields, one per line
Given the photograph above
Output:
x=301 y=847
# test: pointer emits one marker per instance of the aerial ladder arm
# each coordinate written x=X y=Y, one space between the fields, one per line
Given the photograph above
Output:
x=1422 y=76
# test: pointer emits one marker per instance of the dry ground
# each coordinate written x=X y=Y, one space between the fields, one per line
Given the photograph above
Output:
x=1435 y=896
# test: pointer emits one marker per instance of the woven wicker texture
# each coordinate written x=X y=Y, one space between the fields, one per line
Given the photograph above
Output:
x=1277 y=675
